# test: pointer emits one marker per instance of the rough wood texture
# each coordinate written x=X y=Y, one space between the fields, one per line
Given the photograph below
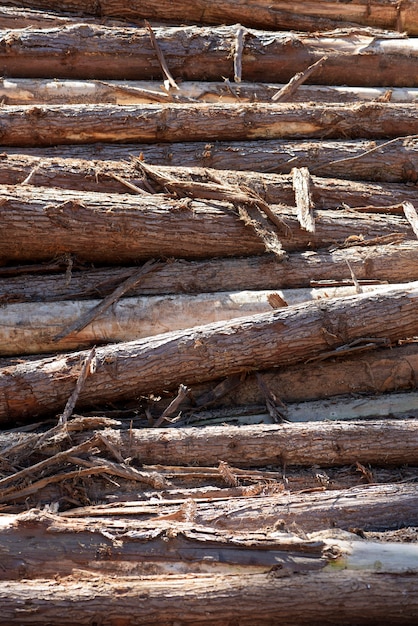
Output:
x=371 y=507
x=393 y=161
x=357 y=597
x=302 y=15
x=40 y=224
x=326 y=444
x=283 y=337
x=204 y=53
x=394 y=264
x=105 y=176
x=45 y=125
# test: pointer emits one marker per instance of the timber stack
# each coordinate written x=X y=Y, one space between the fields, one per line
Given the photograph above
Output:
x=209 y=320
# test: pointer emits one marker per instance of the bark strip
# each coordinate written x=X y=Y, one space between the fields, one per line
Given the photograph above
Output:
x=204 y=353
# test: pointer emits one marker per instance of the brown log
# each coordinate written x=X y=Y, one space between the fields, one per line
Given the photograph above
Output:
x=214 y=599
x=40 y=223
x=204 y=53
x=371 y=507
x=46 y=125
x=390 y=161
x=17 y=17
x=39 y=91
x=116 y=176
x=208 y=352
x=393 y=264
x=302 y=15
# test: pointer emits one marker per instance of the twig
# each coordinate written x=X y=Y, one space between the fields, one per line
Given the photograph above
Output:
x=286 y=92
x=100 y=308
x=128 y=184
x=159 y=96
x=89 y=367
x=303 y=198
x=123 y=471
x=173 y=406
x=411 y=216
x=353 y=276
x=160 y=57
x=278 y=416
x=238 y=50
x=30 y=175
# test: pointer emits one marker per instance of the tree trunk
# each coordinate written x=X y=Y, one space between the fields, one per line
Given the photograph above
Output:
x=393 y=161
x=285 y=336
x=36 y=328
x=219 y=600
x=372 y=507
x=386 y=442
x=370 y=264
x=40 y=224
x=46 y=125
x=302 y=15
x=38 y=91
x=105 y=176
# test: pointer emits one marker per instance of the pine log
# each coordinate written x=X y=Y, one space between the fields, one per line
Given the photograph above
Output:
x=358 y=58
x=76 y=543
x=45 y=125
x=385 y=442
x=390 y=161
x=38 y=91
x=394 y=264
x=303 y=15
x=204 y=353
x=356 y=597
x=41 y=223
x=36 y=328
x=116 y=176
x=371 y=507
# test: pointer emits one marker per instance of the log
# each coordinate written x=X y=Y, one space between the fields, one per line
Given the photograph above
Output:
x=46 y=125
x=206 y=53
x=393 y=264
x=39 y=91
x=371 y=507
x=17 y=17
x=116 y=176
x=205 y=599
x=390 y=161
x=303 y=15
x=76 y=543
x=40 y=224
x=36 y=328
x=384 y=442
x=208 y=352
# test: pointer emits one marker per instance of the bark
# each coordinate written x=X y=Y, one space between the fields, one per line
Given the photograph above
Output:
x=35 y=328
x=208 y=352
x=204 y=53
x=386 y=442
x=47 y=125
x=79 y=544
x=116 y=176
x=303 y=15
x=40 y=224
x=393 y=161
x=17 y=17
x=38 y=91
x=357 y=597
x=372 y=507
x=370 y=264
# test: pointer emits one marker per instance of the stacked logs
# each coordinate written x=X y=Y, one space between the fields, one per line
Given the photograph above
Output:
x=209 y=305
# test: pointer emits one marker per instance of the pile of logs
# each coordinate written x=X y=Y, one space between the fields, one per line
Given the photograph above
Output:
x=209 y=312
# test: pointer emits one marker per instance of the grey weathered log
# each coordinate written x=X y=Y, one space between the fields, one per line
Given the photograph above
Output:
x=40 y=224
x=393 y=264
x=46 y=125
x=393 y=161
x=301 y=15
x=204 y=53
x=206 y=599
x=204 y=353
x=105 y=176
x=370 y=507
x=44 y=91
x=12 y=17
